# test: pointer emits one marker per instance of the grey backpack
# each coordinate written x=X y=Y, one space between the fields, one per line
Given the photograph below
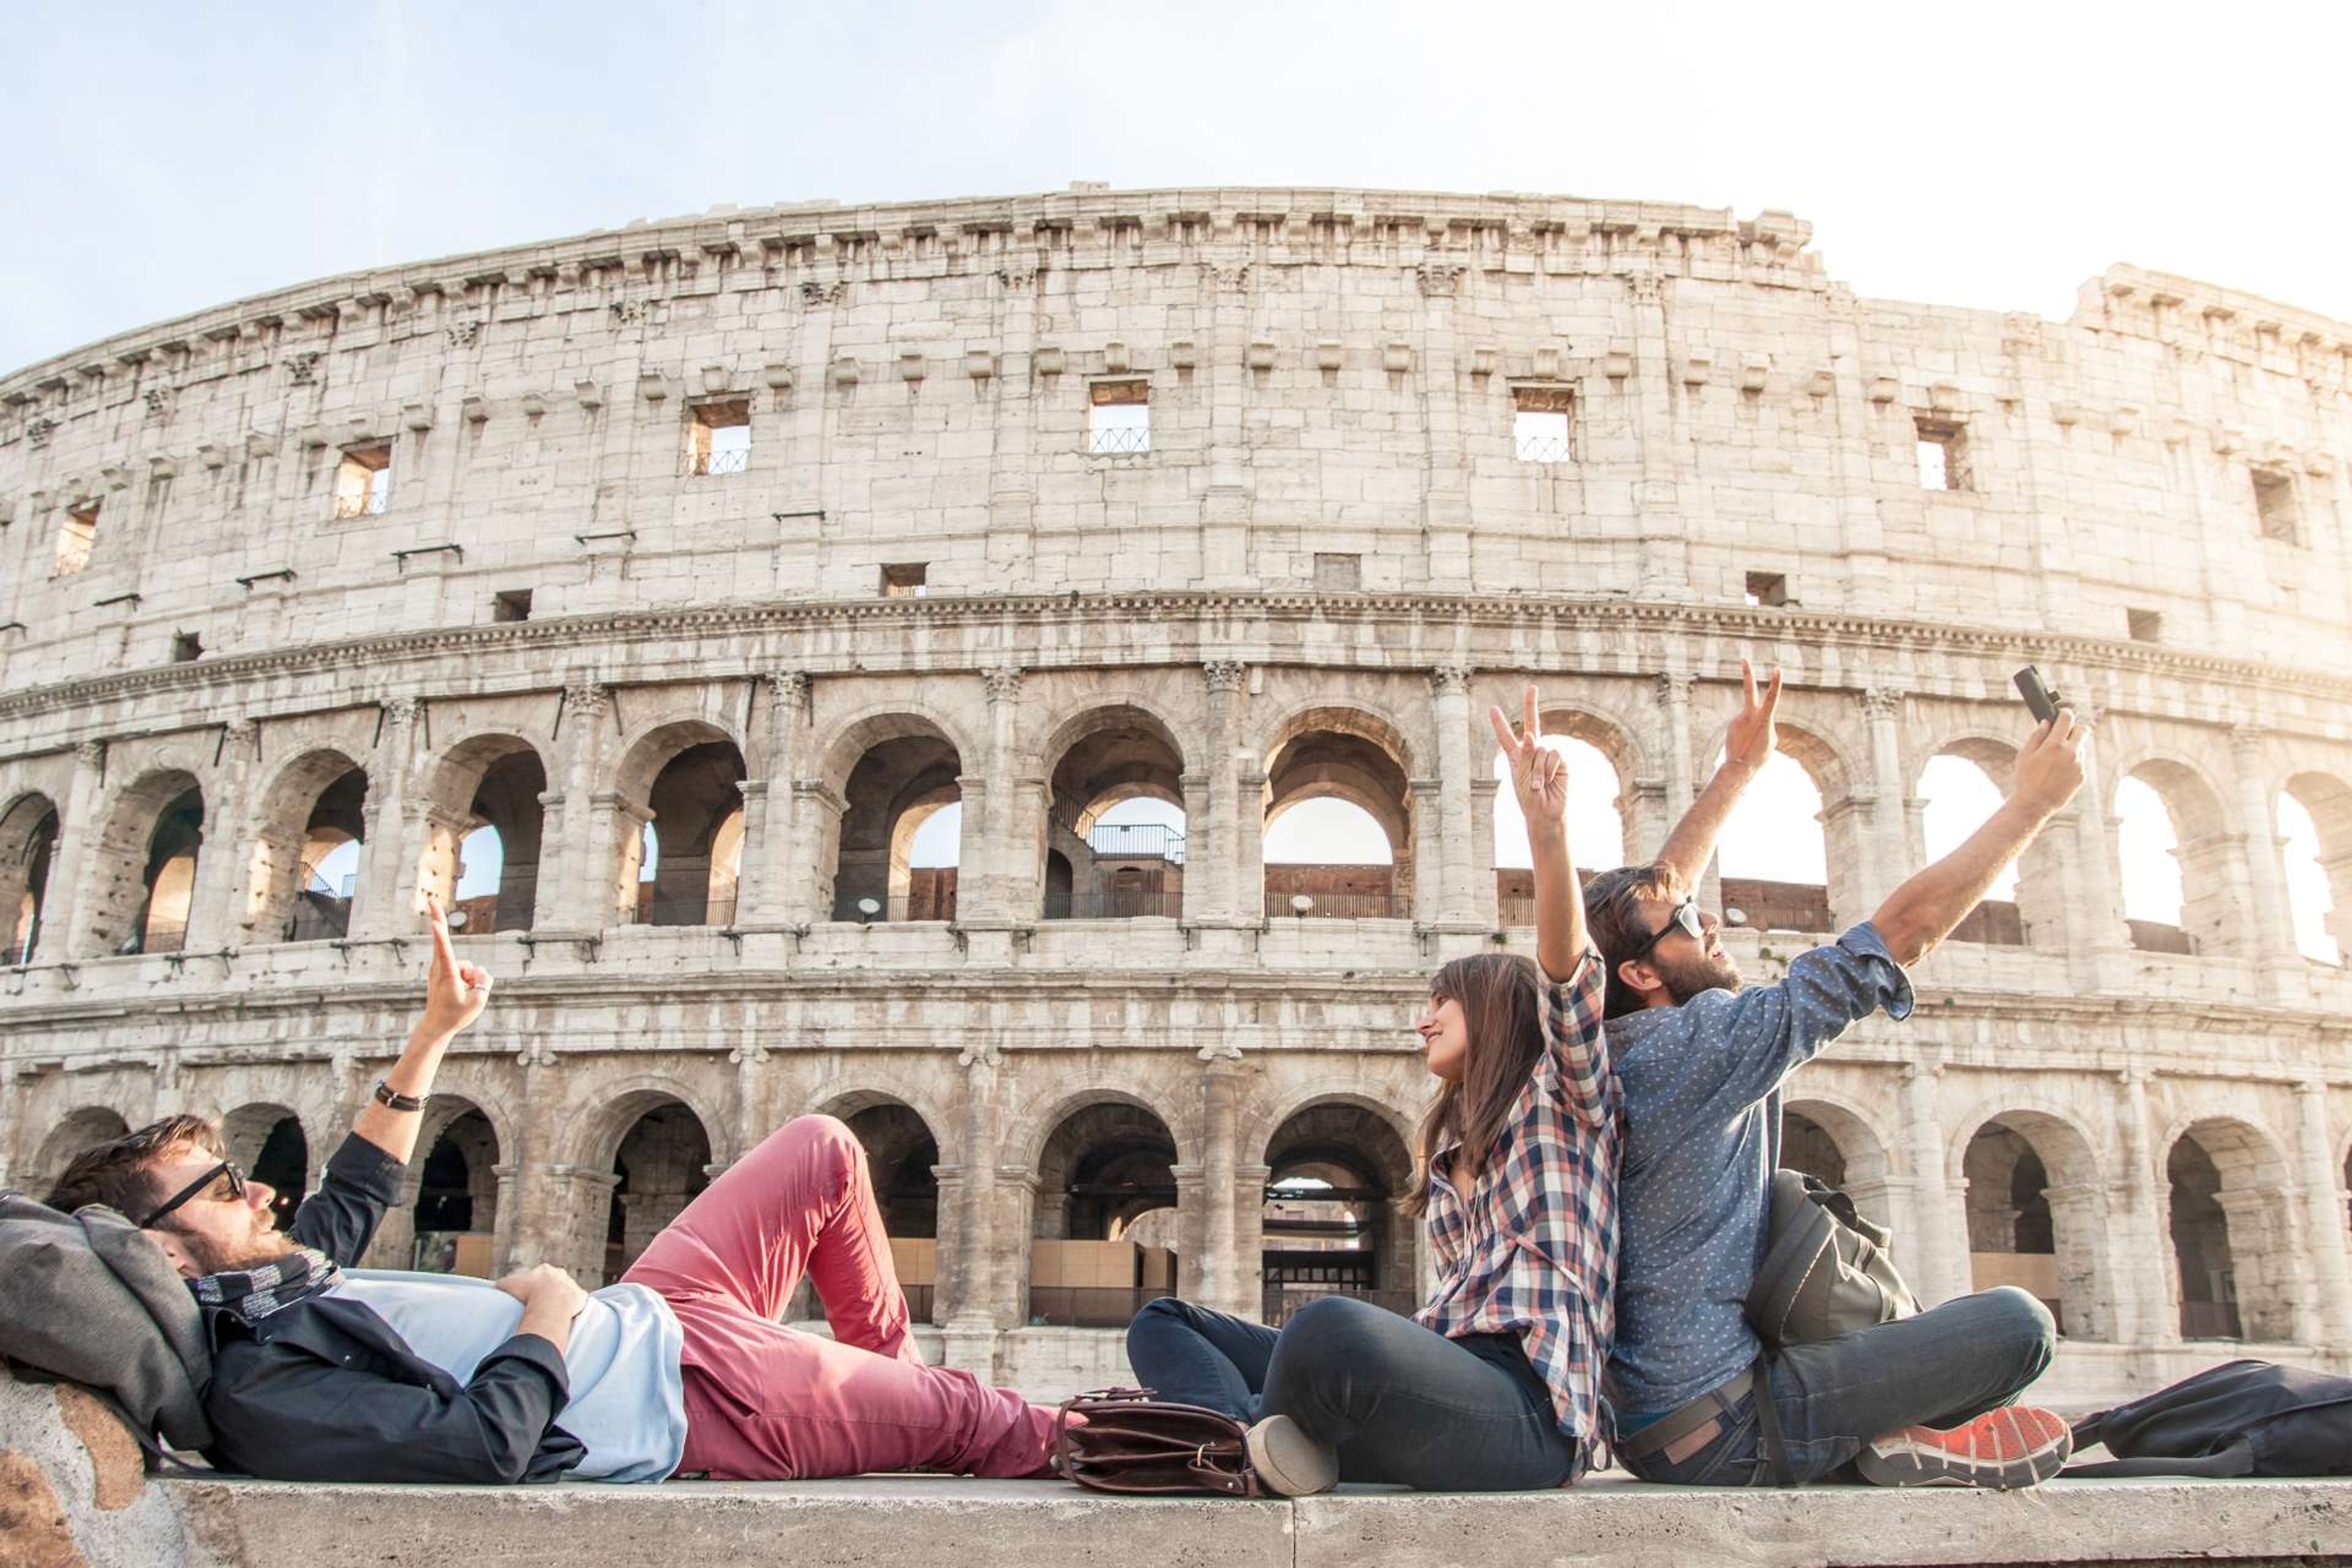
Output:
x=85 y=1297
x=1826 y=1271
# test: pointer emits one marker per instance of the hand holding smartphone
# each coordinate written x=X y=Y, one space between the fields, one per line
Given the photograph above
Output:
x=2043 y=700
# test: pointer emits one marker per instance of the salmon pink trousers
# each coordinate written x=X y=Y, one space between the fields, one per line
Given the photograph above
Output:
x=768 y=1402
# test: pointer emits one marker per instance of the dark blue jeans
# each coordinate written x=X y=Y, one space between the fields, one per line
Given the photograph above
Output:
x=1939 y=1369
x=1402 y=1406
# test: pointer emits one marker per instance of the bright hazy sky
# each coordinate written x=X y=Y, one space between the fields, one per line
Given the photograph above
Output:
x=168 y=157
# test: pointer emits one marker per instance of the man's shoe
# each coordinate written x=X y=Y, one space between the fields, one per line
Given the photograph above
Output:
x=1289 y=1461
x=2016 y=1446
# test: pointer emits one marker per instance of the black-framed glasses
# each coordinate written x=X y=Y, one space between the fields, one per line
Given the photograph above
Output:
x=1686 y=916
x=225 y=1168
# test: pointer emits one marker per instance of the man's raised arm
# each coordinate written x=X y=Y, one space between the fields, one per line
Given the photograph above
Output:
x=1923 y=911
x=455 y=995
x=1746 y=749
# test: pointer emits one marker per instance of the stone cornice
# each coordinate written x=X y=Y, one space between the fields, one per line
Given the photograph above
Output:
x=1222 y=615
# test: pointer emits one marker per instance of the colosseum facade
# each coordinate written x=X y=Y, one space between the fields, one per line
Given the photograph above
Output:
x=783 y=530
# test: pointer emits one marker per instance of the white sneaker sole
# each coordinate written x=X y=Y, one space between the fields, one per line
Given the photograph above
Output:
x=1289 y=1461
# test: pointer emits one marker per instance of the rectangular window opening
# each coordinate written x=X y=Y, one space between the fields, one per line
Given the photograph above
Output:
x=719 y=437
x=1943 y=455
x=2275 y=506
x=186 y=647
x=1118 y=417
x=77 y=536
x=1336 y=573
x=905 y=580
x=364 y=481
x=1540 y=423
x=1767 y=588
x=514 y=604
x=2146 y=625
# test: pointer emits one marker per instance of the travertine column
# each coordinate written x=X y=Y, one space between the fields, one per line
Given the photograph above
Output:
x=986 y=887
x=1666 y=531
x=1212 y=890
x=1249 y=1241
x=2269 y=929
x=1220 y=1102
x=583 y=855
x=1888 y=859
x=212 y=911
x=1458 y=828
x=1445 y=499
x=971 y=1322
x=71 y=873
x=2325 y=1218
x=2101 y=930
x=1485 y=903
x=1939 y=1229
x=773 y=893
x=2146 y=1237
x=388 y=868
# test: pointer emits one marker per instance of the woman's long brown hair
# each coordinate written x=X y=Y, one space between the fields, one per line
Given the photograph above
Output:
x=1503 y=1021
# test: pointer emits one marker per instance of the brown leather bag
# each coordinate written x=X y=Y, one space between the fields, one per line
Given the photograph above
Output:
x=1133 y=1443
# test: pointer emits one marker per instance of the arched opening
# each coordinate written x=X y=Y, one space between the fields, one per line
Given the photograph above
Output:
x=662 y=1164
x=268 y=1143
x=1773 y=859
x=29 y=844
x=1596 y=824
x=900 y=1154
x=1114 y=834
x=169 y=878
x=1332 y=1223
x=313 y=819
x=2314 y=822
x=2178 y=861
x=455 y=1214
x=1958 y=797
x=2148 y=865
x=1339 y=820
x=1806 y=1146
x=1828 y=1141
x=482 y=858
x=684 y=784
x=1104 y=1169
x=900 y=836
x=86 y=1128
x=2232 y=1234
x=2037 y=1218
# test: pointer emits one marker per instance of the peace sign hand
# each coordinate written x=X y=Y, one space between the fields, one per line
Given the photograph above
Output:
x=1752 y=737
x=1538 y=773
x=454 y=993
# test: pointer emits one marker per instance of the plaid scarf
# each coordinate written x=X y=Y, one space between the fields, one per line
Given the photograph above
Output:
x=252 y=1294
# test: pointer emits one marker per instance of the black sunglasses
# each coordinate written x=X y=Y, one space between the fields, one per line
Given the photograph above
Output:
x=1686 y=916
x=225 y=1168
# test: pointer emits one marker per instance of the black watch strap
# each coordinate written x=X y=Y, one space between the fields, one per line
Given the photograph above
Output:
x=386 y=1095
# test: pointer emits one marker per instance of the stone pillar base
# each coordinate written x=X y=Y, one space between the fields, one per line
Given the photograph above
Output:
x=970 y=1346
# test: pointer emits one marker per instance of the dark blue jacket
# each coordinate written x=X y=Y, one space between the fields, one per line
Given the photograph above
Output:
x=325 y=1390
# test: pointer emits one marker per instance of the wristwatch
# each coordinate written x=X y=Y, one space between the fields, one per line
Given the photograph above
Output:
x=391 y=1097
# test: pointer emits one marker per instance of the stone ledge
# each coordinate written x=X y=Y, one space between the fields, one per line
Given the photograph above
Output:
x=924 y=1520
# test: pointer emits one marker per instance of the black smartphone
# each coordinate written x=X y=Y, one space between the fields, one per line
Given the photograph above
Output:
x=2043 y=699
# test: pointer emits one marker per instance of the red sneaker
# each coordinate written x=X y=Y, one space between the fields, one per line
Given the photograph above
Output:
x=2016 y=1446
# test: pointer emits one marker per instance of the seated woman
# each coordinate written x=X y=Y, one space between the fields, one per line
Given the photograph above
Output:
x=1493 y=1385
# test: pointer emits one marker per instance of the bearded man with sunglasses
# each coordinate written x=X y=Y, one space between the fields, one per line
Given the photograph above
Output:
x=323 y=1371
x=1701 y=1059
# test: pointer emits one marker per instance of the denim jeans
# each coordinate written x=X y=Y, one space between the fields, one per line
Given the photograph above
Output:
x=1939 y=1369
x=1403 y=1406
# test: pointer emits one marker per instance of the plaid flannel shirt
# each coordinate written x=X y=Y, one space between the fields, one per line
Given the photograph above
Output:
x=1534 y=1249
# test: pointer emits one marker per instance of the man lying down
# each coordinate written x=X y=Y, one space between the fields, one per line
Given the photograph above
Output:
x=327 y=1371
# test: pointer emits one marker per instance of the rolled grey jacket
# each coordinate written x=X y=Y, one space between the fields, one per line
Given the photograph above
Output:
x=84 y=1295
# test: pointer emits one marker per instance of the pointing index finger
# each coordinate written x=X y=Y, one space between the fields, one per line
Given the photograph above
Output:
x=443 y=954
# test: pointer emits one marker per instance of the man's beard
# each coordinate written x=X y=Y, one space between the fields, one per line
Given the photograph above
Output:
x=1686 y=979
x=219 y=1258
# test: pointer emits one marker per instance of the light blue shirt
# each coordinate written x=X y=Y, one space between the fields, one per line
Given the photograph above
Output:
x=1702 y=1094
x=628 y=1401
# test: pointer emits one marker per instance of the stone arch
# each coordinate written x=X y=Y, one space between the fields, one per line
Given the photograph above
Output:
x=144 y=857
x=1998 y=921
x=29 y=830
x=488 y=778
x=659 y=1144
x=1780 y=904
x=686 y=777
x=315 y=800
x=1025 y=1139
x=2037 y=1212
x=1357 y=1239
x=1098 y=759
x=1863 y=1167
x=2323 y=900
x=1099 y=1167
x=451 y=1207
x=894 y=768
x=1619 y=751
x=268 y=1140
x=2212 y=871
x=2233 y=1229
x=861 y=1090
x=1353 y=754
x=84 y=1126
